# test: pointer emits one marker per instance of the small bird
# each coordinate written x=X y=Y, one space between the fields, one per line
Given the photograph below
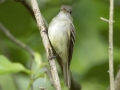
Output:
x=61 y=33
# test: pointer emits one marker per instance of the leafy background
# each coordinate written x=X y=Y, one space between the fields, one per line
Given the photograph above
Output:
x=89 y=65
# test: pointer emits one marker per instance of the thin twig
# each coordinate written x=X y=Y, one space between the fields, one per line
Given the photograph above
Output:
x=20 y=44
x=104 y=19
x=111 y=71
x=46 y=43
x=13 y=39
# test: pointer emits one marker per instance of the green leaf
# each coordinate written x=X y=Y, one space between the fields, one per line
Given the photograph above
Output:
x=43 y=64
x=7 y=67
x=38 y=59
x=40 y=75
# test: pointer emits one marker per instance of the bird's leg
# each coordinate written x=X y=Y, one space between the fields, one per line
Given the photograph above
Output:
x=55 y=56
x=44 y=31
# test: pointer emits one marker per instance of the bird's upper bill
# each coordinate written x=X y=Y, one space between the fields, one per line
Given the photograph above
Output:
x=66 y=8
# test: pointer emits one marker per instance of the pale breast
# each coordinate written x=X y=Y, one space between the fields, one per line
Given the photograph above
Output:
x=58 y=35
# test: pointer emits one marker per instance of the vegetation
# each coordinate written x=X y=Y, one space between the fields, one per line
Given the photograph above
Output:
x=89 y=64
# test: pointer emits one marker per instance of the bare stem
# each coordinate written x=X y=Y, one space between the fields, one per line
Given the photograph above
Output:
x=17 y=42
x=48 y=48
x=111 y=71
x=20 y=44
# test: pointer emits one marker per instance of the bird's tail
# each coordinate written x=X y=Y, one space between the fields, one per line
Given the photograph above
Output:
x=67 y=76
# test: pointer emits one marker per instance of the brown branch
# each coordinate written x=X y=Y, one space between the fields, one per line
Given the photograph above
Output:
x=111 y=71
x=48 y=48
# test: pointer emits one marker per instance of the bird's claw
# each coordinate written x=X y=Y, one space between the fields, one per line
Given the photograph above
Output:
x=55 y=56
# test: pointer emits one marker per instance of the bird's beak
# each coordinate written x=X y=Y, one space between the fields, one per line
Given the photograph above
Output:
x=64 y=10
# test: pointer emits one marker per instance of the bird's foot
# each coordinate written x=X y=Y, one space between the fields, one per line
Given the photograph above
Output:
x=45 y=31
x=55 y=56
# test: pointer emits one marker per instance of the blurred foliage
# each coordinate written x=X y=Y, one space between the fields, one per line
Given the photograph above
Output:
x=89 y=65
x=7 y=67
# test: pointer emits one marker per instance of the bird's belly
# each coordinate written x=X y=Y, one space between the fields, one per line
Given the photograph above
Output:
x=59 y=40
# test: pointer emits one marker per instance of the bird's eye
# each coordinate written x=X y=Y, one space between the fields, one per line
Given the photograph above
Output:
x=70 y=12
